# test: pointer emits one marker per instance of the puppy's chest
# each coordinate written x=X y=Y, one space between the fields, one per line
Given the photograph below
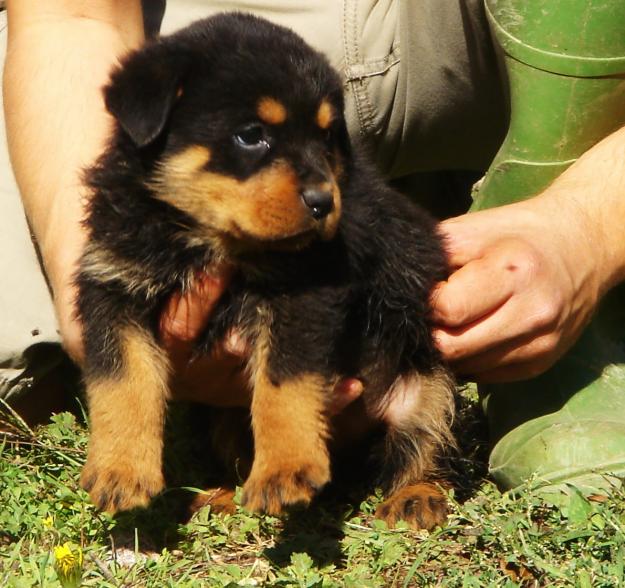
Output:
x=283 y=307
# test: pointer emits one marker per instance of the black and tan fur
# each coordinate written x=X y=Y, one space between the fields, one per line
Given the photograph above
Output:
x=231 y=145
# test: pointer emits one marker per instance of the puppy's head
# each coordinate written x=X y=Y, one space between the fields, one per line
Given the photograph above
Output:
x=248 y=120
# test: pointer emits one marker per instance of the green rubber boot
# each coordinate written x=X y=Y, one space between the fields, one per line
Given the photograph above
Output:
x=565 y=61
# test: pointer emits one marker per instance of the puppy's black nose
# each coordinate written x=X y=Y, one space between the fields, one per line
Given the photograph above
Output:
x=320 y=202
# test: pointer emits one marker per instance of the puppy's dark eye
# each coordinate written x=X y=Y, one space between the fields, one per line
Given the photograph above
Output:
x=252 y=136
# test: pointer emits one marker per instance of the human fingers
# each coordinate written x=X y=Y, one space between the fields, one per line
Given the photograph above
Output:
x=533 y=352
x=185 y=314
x=235 y=344
x=519 y=317
x=216 y=379
x=472 y=292
x=512 y=372
x=464 y=237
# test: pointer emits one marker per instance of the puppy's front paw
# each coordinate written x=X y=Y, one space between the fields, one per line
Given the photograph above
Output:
x=272 y=490
x=422 y=506
x=122 y=484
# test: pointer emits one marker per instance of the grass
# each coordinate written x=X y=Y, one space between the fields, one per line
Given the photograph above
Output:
x=490 y=539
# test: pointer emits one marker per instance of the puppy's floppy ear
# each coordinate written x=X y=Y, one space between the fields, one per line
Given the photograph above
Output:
x=142 y=91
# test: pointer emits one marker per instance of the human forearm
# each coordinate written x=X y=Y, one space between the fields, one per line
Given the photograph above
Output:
x=58 y=58
x=593 y=189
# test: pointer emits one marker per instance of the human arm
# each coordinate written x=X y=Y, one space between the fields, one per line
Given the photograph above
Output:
x=527 y=277
x=59 y=57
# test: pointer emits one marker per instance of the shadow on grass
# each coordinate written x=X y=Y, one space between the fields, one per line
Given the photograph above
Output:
x=318 y=529
x=468 y=467
x=150 y=529
x=315 y=531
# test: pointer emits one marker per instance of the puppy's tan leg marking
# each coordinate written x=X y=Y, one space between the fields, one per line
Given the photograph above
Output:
x=422 y=506
x=127 y=412
x=291 y=461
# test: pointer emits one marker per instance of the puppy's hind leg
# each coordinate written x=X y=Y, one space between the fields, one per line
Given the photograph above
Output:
x=127 y=412
x=418 y=417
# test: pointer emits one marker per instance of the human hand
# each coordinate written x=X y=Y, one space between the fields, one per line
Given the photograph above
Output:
x=183 y=320
x=525 y=280
x=218 y=379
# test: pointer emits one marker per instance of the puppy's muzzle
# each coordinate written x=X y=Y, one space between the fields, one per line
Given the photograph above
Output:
x=319 y=201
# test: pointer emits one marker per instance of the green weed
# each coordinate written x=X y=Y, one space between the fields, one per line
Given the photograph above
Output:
x=490 y=539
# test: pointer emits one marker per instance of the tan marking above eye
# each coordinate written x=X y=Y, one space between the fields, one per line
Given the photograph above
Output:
x=325 y=114
x=271 y=111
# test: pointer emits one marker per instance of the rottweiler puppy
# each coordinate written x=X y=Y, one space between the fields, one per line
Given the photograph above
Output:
x=230 y=145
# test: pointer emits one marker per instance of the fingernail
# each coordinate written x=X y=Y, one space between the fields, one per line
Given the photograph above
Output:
x=354 y=388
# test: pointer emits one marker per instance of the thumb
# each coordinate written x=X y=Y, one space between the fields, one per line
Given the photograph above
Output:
x=186 y=314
